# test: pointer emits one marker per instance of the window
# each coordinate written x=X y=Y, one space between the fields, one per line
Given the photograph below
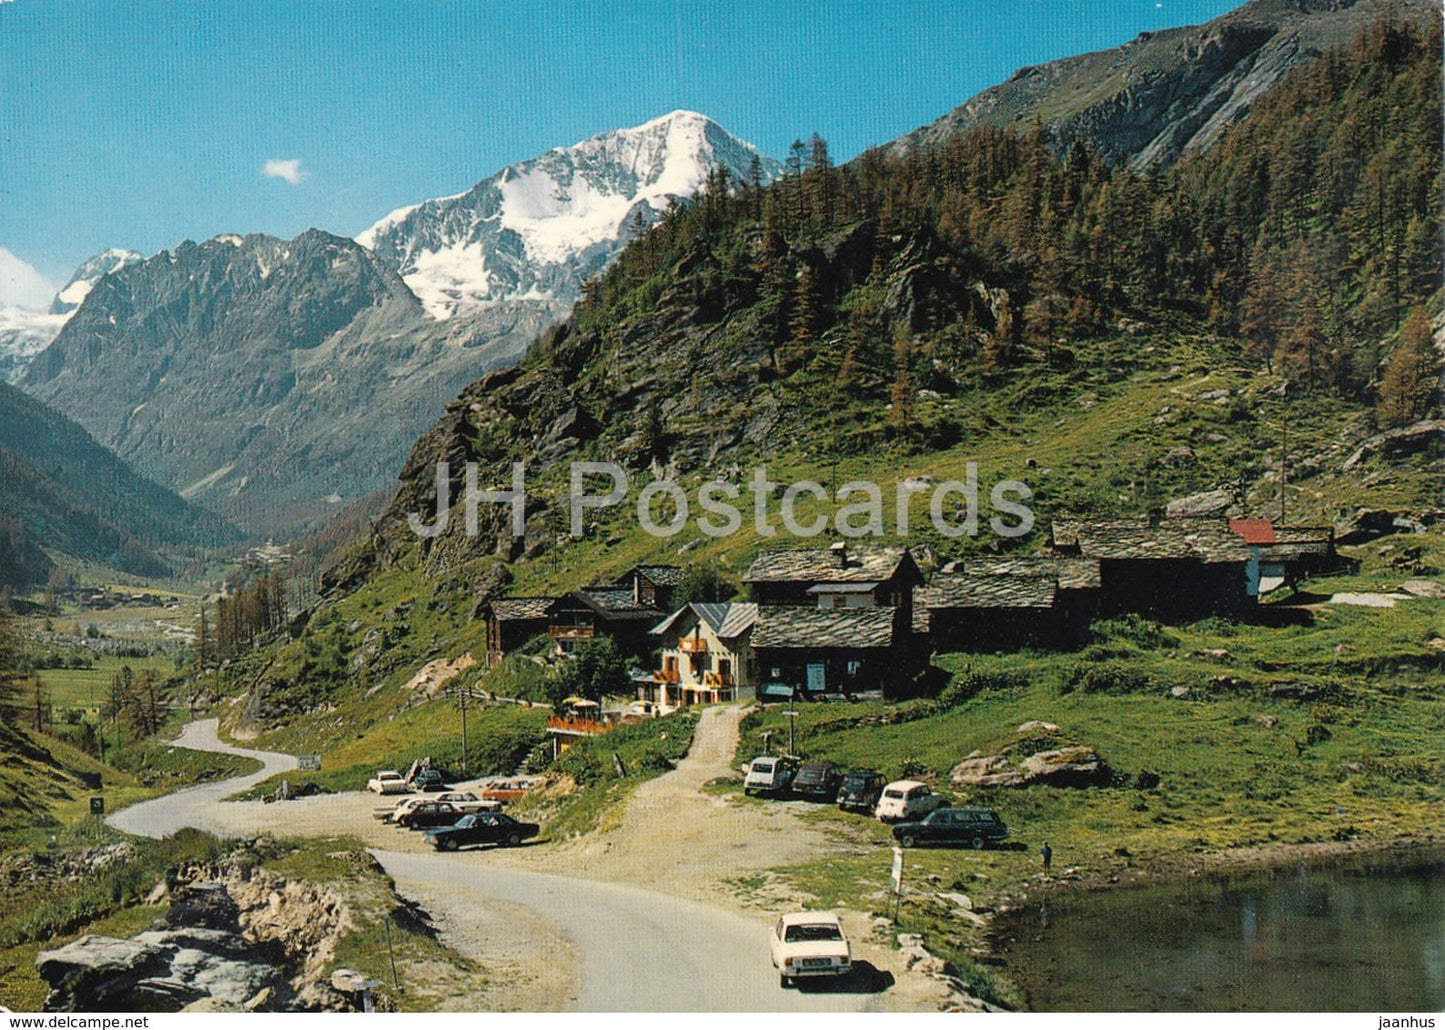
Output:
x=813 y=932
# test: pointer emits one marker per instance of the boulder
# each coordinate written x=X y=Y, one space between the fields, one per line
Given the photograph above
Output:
x=216 y=964
x=1035 y=724
x=1210 y=502
x=1075 y=766
x=1180 y=457
x=1423 y=588
x=1296 y=691
x=985 y=771
x=98 y=974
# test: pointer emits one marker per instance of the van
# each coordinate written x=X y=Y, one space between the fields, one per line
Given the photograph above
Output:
x=906 y=799
x=769 y=774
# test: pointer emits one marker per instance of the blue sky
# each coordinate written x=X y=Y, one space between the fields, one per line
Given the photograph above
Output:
x=142 y=123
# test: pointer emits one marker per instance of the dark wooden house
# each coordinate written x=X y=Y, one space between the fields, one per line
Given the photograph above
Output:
x=834 y=650
x=652 y=585
x=971 y=612
x=1171 y=569
x=602 y=611
x=512 y=621
x=836 y=577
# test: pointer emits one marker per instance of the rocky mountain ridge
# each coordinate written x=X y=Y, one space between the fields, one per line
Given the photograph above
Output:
x=1169 y=93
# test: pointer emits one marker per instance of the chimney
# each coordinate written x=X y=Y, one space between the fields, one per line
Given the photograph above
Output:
x=840 y=552
x=636 y=587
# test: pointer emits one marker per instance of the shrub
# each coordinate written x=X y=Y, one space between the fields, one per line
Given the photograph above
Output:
x=1142 y=633
x=1110 y=677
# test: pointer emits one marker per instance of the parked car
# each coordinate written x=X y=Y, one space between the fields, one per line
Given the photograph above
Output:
x=974 y=827
x=430 y=813
x=860 y=790
x=392 y=814
x=906 y=799
x=809 y=944
x=481 y=828
x=816 y=781
x=507 y=788
x=428 y=780
x=769 y=774
x=387 y=781
x=469 y=802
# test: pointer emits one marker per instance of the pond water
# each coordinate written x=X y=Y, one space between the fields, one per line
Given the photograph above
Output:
x=1363 y=937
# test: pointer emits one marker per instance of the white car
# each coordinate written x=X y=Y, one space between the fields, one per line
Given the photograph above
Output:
x=387 y=781
x=809 y=944
x=906 y=800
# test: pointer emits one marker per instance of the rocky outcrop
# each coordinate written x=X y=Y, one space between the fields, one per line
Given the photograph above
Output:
x=1035 y=753
x=1361 y=525
x=1210 y=502
x=1411 y=439
x=986 y=771
x=235 y=938
x=1165 y=94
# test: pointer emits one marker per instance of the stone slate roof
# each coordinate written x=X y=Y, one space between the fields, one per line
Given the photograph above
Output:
x=728 y=619
x=613 y=603
x=821 y=565
x=1206 y=540
x=521 y=609
x=1072 y=573
x=801 y=627
x=1319 y=536
x=963 y=590
x=662 y=575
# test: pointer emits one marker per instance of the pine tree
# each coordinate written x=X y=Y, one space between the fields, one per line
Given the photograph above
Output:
x=1411 y=381
x=204 y=645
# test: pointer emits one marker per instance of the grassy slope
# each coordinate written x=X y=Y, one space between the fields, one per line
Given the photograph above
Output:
x=1091 y=437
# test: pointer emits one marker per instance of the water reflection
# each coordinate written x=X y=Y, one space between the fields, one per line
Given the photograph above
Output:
x=1305 y=939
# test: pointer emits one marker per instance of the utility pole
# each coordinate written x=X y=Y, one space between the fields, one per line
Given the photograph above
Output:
x=1283 y=448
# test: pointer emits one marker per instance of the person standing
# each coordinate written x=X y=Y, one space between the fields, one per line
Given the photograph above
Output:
x=1048 y=856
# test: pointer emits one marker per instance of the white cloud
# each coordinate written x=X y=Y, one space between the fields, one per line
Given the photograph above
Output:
x=22 y=286
x=289 y=169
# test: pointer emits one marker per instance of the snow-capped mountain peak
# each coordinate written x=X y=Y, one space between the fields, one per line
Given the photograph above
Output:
x=540 y=227
x=87 y=275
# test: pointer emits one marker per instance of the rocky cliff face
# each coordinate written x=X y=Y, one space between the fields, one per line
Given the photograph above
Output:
x=1167 y=93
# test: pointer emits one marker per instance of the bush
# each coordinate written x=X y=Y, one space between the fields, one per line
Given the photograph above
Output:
x=1132 y=629
x=971 y=683
x=1110 y=677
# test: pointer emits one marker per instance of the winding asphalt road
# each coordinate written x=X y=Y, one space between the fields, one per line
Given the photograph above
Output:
x=639 y=950
x=200 y=806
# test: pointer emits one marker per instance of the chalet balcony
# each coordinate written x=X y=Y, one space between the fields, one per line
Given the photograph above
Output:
x=566 y=632
x=665 y=676
x=692 y=645
x=717 y=679
x=560 y=726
